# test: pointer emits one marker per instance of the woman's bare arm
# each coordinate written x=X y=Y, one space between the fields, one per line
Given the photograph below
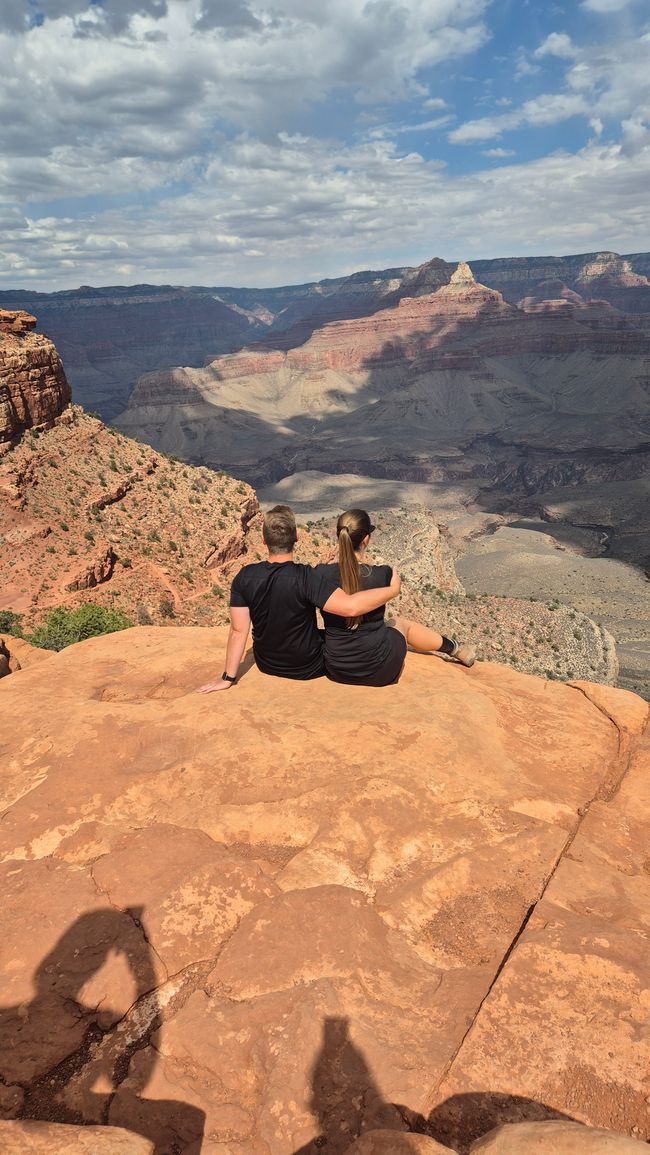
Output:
x=363 y=602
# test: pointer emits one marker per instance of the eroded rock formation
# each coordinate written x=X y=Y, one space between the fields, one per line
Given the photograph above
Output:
x=390 y=394
x=288 y=914
x=33 y=387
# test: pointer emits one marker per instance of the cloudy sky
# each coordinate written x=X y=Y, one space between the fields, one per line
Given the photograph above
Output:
x=261 y=142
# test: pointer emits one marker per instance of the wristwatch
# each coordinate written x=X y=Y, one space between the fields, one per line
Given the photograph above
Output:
x=227 y=678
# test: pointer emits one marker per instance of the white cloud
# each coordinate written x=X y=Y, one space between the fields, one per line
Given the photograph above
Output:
x=557 y=44
x=266 y=215
x=604 y=83
x=550 y=108
x=605 y=6
x=132 y=92
x=206 y=120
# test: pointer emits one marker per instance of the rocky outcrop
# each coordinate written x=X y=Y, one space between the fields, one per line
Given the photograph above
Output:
x=97 y=571
x=288 y=914
x=33 y=386
x=17 y=654
x=108 y=336
x=556 y=1138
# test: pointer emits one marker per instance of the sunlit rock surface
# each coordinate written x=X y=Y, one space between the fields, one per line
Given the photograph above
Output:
x=289 y=913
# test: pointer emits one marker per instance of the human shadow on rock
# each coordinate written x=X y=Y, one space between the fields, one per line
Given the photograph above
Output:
x=347 y=1103
x=71 y=1048
x=345 y=1099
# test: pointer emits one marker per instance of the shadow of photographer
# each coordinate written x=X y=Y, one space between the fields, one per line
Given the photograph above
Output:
x=80 y=1049
x=347 y=1103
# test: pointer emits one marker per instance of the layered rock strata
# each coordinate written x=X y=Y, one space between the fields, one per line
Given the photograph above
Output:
x=33 y=387
x=288 y=914
x=446 y=386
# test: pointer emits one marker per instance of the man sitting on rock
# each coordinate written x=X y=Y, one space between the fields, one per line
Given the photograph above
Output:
x=279 y=597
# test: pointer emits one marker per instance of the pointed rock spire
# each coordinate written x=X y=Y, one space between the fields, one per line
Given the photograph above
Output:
x=463 y=275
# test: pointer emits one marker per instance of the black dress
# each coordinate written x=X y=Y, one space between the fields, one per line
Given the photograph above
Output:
x=371 y=655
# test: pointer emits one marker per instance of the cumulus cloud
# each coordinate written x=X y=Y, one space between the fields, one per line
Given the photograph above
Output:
x=192 y=140
x=550 y=108
x=557 y=44
x=602 y=83
x=267 y=215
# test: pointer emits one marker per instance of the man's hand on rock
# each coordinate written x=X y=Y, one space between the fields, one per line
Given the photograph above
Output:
x=211 y=686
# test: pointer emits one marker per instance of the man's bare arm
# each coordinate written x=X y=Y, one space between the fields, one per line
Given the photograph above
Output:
x=240 y=624
x=363 y=602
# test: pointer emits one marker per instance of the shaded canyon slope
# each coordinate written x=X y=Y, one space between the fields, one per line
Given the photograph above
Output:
x=243 y=924
x=452 y=385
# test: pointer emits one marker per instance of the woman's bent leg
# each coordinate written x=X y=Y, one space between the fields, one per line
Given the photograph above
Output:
x=424 y=641
x=418 y=637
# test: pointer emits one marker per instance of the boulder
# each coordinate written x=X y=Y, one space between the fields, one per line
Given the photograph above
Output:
x=555 y=1137
x=34 y=1138
x=396 y=1143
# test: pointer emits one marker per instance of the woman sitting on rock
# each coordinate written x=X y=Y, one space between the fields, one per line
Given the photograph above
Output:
x=368 y=651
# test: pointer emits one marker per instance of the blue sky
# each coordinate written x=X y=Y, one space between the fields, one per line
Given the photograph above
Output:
x=264 y=142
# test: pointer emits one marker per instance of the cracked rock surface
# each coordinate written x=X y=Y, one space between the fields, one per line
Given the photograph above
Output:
x=282 y=916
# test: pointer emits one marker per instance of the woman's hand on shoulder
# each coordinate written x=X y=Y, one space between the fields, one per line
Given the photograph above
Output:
x=395 y=583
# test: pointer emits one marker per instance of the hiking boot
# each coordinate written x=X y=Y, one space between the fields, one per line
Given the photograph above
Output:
x=464 y=654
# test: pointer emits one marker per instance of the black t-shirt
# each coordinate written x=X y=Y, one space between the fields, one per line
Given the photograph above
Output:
x=357 y=655
x=281 y=597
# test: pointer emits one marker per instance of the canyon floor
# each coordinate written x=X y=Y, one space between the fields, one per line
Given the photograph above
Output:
x=555 y=561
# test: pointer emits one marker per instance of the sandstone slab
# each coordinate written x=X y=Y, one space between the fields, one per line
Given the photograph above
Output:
x=254 y=922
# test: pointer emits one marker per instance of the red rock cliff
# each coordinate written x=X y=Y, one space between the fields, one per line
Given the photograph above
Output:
x=33 y=386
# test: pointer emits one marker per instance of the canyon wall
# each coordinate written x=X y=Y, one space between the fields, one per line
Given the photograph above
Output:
x=110 y=336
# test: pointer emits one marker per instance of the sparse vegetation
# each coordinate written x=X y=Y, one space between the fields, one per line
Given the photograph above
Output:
x=65 y=627
x=10 y=623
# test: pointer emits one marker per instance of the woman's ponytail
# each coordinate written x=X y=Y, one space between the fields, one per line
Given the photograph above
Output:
x=351 y=530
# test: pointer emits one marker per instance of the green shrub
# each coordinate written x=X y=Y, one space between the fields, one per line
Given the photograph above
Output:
x=10 y=623
x=64 y=627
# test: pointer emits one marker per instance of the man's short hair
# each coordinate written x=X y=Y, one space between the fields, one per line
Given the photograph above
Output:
x=279 y=530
